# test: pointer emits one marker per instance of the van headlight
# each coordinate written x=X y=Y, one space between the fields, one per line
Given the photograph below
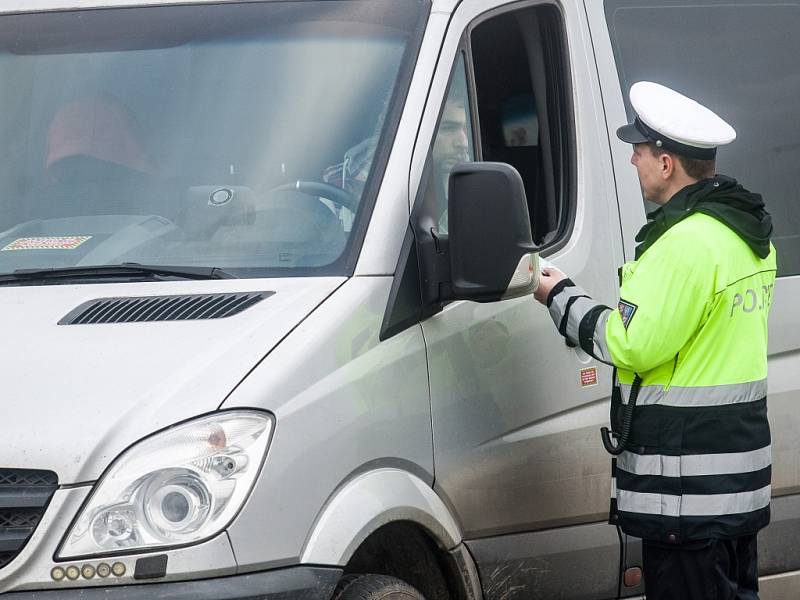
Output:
x=181 y=486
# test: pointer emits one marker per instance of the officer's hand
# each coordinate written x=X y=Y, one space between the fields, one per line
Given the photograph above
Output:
x=549 y=277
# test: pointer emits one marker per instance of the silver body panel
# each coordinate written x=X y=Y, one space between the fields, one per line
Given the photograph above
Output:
x=369 y=501
x=21 y=6
x=172 y=370
x=345 y=403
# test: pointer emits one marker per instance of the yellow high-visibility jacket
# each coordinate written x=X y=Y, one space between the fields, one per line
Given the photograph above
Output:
x=692 y=325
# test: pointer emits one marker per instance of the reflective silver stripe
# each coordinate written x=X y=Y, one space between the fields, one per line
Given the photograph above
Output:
x=648 y=394
x=693 y=505
x=691 y=465
x=601 y=351
x=716 y=395
x=709 y=395
x=651 y=394
x=650 y=504
x=613 y=487
x=649 y=464
x=559 y=304
x=577 y=311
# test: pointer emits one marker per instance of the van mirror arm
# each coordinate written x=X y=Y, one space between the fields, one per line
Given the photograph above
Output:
x=434 y=267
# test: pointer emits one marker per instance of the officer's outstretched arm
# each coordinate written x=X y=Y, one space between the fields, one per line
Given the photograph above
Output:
x=579 y=318
x=663 y=302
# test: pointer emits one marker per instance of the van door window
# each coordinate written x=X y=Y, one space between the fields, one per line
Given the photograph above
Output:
x=453 y=142
x=523 y=109
x=748 y=78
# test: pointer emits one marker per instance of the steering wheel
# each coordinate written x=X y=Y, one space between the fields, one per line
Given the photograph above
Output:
x=335 y=194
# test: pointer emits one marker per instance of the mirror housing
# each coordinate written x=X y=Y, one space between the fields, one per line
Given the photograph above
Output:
x=492 y=254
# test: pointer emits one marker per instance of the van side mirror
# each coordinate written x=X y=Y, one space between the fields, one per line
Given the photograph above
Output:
x=492 y=254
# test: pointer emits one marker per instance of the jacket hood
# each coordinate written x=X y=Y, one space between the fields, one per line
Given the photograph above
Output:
x=720 y=197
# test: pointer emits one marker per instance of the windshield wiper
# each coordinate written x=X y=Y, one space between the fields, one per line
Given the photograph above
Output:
x=123 y=269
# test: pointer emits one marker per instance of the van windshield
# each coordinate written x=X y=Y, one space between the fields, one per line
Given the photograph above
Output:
x=241 y=136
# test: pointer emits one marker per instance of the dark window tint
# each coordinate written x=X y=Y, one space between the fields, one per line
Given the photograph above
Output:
x=739 y=58
x=523 y=109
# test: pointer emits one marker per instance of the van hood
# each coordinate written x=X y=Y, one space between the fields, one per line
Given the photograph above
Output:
x=75 y=396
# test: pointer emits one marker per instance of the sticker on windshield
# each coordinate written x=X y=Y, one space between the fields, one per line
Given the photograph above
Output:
x=69 y=242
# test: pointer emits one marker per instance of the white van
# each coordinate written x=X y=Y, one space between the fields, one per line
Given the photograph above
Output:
x=251 y=349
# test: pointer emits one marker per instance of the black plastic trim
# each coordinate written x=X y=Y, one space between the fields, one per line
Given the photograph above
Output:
x=147 y=309
x=295 y=583
x=25 y=495
x=587 y=326
x=151 y=567
x=404 y=308
x=462 y=574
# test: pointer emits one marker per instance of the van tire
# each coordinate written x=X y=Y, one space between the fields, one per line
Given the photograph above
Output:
x=375 y=587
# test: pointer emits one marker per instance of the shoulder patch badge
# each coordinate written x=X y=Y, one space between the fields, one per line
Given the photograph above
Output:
x=626 y=311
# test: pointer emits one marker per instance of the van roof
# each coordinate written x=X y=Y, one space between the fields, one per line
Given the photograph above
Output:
x=25 y=6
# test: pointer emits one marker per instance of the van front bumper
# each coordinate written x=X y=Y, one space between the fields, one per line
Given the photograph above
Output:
x=296 y=583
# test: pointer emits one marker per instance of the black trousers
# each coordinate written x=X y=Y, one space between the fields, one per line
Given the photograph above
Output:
x=703 y=570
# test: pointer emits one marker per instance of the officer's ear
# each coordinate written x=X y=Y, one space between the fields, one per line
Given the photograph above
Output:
x=666 y=164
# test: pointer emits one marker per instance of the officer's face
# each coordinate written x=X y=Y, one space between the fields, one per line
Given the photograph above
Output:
x=649 y=168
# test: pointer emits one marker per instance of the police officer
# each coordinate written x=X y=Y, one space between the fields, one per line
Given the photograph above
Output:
x=688 y=340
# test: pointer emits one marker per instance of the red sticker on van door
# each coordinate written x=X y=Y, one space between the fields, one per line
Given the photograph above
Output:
x=589 y=377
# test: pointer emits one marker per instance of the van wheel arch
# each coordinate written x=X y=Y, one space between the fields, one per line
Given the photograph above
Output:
x=406 y=551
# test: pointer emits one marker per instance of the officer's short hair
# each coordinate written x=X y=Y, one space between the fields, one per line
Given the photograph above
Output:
x=694 y=167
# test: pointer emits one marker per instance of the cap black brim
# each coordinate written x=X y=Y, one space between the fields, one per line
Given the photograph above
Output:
x=631 y=134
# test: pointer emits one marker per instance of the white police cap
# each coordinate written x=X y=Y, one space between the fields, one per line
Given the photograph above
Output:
x=674 y=122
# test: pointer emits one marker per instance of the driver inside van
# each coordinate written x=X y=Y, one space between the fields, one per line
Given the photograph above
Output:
x=351 y=173
x=99 y=128
x=96 y=161
x=451 y=147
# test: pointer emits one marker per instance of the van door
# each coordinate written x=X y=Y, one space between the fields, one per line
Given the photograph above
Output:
x=515 y=411
x=737 y=56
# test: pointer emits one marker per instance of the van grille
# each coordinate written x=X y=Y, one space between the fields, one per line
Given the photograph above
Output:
x=24 y=495
x=162 y=308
